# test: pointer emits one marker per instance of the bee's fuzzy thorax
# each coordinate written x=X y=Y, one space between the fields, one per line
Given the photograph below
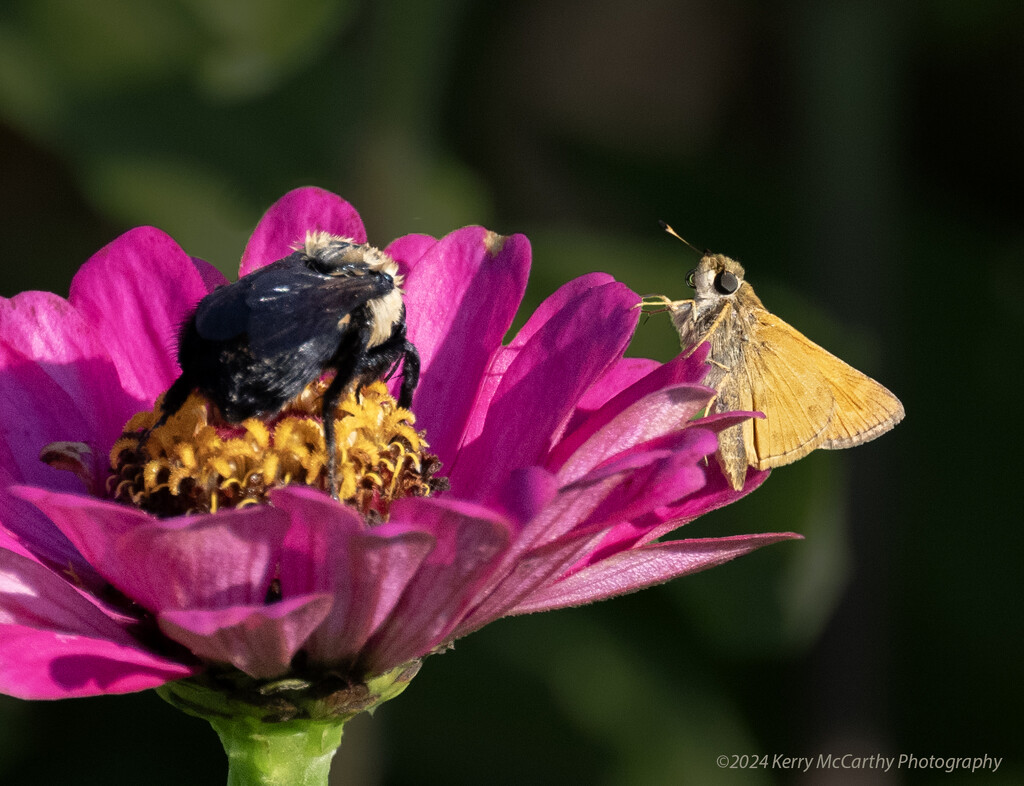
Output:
x=387 y=311
x=320 y=243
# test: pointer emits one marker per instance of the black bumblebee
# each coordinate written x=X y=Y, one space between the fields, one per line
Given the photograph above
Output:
x=252 y=346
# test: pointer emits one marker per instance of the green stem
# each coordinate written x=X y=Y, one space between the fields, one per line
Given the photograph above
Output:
x=293 y=753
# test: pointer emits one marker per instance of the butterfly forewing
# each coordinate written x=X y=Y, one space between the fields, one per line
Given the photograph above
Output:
x=865 y=409
x=790 y=389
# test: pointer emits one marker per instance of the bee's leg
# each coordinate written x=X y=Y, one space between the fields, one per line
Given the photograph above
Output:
x=384 y=359
x=410 y=374
x=174 y=399
x=345 y=368
x=330 y=402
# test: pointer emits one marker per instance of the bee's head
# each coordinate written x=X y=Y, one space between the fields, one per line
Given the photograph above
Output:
x=715 y=276
x=333 y=255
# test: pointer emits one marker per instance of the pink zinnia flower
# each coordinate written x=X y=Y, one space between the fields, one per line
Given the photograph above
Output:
x=567 y=462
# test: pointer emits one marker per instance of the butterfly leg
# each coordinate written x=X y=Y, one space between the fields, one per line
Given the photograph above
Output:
x=658 y=302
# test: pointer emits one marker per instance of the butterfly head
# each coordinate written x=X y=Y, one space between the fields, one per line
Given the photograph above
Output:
x=716 y=276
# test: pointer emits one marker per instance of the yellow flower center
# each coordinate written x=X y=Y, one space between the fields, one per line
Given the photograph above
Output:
x=197 y=462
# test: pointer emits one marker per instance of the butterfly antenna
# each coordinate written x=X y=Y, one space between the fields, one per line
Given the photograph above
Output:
x=676 y=235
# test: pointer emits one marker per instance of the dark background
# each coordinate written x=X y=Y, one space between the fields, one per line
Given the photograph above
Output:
x=863 y=159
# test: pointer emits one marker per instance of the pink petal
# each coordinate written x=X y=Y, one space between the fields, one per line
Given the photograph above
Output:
x=260 y=640
x=36 y=597
x=559 y=300
x=42 y=664
x=609 y=431
x=180 y=563
x=461 y=297
x=503 y=357
x=284 y=226
x=620 y=376
x=660 y=481
x=330 y=549
x=56 y=643
x=541 y=386
x=211 y=276
x=644 y=567
x=35 y=534
x=545 y=537
x=408 y=249
x=538 y=554
x=562 y=511
x=469 y=541
x=530 y=570
x=319 y=529
x=46 y=329
x=9 y=542
x=623 y=374
x=716 y=494
x=649 y=521
x=370 y=583
x=624 y=384
x=35 y=411
x=136 y=292
x=526 y=493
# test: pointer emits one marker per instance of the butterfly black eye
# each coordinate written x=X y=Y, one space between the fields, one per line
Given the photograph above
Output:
x=726 y=282
x=689 y=279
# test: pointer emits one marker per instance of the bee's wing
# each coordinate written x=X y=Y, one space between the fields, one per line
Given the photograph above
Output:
x=225 y=313
x=285 y=305
x=305 y=306
x=811 y=398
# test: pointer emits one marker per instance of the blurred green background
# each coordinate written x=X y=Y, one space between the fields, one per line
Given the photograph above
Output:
x=863 y=159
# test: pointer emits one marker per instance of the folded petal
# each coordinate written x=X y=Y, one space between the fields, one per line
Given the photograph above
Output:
x=552 y=540
x=329 y=549
x=608 y=431
x=658 y=481
x=716 y=494
x=530 y=570
x=37 y=536
x=643 y=567
x=34 y=596
x=180 y=563
x=469 y=541
x=284 y=226
x=619 y=376
x=261 y=640
x=628 y=492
